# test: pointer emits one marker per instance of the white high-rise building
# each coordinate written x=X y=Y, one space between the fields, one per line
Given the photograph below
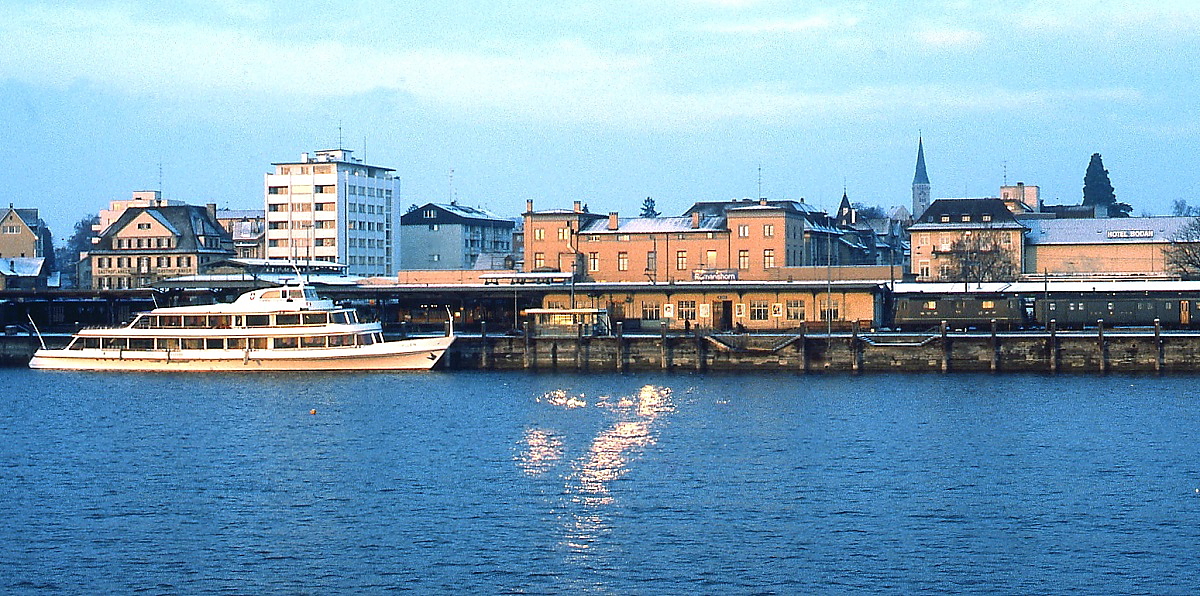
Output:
x=333 y=207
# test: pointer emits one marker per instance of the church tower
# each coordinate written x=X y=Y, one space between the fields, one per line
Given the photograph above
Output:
x=920 y=187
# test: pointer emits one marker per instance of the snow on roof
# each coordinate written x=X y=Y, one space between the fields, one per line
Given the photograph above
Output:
x=645 y=225
x=1107 y=230
x=21 y=266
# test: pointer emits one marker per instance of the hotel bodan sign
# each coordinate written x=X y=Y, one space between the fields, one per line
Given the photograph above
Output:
x=1131 y=233
x=714 y=275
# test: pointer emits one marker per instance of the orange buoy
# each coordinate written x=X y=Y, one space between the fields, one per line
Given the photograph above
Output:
x=313 y=411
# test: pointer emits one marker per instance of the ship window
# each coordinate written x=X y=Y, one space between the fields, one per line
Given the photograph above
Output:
x=339 y=317
x=283 y=343
x=258 y=321
x=219 y=321
x=236 y=343
x=193 y=343
x=214 y=343
x=115 y=343
x=141 y=343
x=352 y=317
x=168 y=343
x=287 y=319
x=269 y=294
x=930 y=305
x=257 y=343
x=313 y=341
x=142 y=322
x=76 y=344
x=195 y=321
x=340 y=340
x=989 y=304
x=314 y=318
x=91 y=343
x=170 y=321
x=295 y=294
x=366 y=339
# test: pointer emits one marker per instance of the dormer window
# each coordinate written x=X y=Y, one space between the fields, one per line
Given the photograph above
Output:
x=966 y=218
x=945 y=219
x=986 y=217
x=144 y=226
x=430 y=214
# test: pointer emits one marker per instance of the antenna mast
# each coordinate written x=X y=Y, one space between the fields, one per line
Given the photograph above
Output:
x=759 y=181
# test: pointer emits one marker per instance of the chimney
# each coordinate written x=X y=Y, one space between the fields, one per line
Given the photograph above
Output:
x=304 y=158
x=212 y=211
x=695 y=220
x=578 y=206
x=612 y=220
x=528 y=205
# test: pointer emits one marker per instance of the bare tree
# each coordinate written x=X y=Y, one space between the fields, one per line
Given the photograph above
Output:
x=1183 y=253
x=981 y=256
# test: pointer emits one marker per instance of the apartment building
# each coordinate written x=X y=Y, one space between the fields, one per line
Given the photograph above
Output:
x=330 y=206
x=452 y=236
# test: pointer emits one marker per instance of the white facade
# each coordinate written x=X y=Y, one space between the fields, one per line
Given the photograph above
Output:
x=332 y=207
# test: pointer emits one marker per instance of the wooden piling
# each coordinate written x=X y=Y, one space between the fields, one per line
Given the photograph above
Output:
x=1160 y=351
x=995 y=348
x=945 y=348
x=1102 y=346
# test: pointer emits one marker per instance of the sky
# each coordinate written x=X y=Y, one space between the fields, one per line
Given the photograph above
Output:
x=493 y=103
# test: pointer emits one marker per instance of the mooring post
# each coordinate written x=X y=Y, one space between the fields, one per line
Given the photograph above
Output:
x=945 y=349
x=1101 y=345
x=579 y=346
x=620 y=346
x=528 y=355
x=803 y=343
x=854 y=356
x=995 y=348
x=700 y=363
x=486 y=356
x=662 y=345
x=1052 y=346
x=1158 y=346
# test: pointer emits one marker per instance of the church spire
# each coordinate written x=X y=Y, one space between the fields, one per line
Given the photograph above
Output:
x=920 y=186
x=921 y=177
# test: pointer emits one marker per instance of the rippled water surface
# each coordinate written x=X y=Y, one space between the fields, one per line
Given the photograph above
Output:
x=622 y=484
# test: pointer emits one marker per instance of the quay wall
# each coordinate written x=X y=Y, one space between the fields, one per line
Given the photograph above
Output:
x=1075 y=352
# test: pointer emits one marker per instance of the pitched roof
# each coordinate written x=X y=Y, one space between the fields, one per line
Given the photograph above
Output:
x=650 y=225
x=187 y=222
x=966 y=214
x=1105 y=230
x=21 y=266
x=453 y=212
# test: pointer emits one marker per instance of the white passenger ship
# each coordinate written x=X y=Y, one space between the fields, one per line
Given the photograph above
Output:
x=274 y=329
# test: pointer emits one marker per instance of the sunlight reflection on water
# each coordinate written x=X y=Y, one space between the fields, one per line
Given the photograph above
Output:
x=607 y=458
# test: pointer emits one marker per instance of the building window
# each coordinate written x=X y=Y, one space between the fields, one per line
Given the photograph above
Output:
x=986 y=217
x=593 y=261
x=944 y=242
x=795 y=310
x=686 y=310
x=923 y=269
x=923 y=239
x=710 y=258
x=829 y=310
x=743 y=259
x=966 y=218
x=539 y=260
x=433 y=258
x=768 y=230
x=651 y=311
x=622 y=261
x=144 y=226
x=743 y=231
x=564 y=234
x=768 y=258
x=652 y=261
x=277 y=190
x=945 y=219
x=681 y=260
x=760 y=310
x=539 y=234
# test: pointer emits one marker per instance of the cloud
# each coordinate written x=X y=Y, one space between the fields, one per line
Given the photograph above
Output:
x=556 y=82
x=1101 y=16
x=950 y=38
x=780 y=26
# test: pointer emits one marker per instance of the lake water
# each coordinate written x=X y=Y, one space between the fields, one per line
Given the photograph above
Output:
x=608 y=484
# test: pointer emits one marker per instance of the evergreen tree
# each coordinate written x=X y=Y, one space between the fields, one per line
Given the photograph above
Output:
x=648 y=209
x=1098 y=189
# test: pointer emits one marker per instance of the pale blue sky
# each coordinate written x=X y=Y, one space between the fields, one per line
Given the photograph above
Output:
x=605 y=102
